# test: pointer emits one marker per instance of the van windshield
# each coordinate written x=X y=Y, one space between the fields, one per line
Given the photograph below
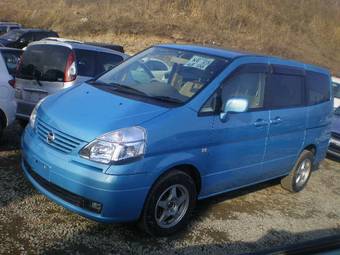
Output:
x=163 y=74
x=44 y=63
x=336 y=90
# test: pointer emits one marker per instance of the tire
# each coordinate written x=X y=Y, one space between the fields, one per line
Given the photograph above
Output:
x=298 y=178
x=159 y=202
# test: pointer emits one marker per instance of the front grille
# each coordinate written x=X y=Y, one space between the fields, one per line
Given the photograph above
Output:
x=61 y=141
x=333 y=147
x=62 y=193
x=336 y=135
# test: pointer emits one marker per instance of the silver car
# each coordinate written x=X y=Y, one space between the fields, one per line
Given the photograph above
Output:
x=51 y=65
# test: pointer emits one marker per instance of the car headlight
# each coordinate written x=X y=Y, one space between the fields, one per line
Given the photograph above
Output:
x=34 y=113
x=119 y=145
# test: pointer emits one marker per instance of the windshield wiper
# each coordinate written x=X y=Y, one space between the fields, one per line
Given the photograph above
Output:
x=167 y=99
x=118 y=87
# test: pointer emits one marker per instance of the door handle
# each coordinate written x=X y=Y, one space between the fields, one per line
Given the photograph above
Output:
x=275 y=121
x=260 y=123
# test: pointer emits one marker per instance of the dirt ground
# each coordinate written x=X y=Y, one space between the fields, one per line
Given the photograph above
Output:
x=260 y=217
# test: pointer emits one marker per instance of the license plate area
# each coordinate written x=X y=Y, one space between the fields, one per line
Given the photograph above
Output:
x=34 y=96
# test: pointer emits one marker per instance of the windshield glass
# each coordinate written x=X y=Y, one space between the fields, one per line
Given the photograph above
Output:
x=336 y=90
x=164 y=74
x=12 y=35
x=44 y=62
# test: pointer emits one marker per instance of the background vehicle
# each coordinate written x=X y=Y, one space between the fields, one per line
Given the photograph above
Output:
x=334 y=143
x=8 y=26
x=336 y=91
x=143 y=148
x=49 y=65
x=20 y=38
x=8 y=62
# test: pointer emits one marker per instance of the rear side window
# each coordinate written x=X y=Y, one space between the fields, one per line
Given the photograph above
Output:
x=92 y=63
x=11 y=59
x=44 y=62
x=284 y=91
x=85 y=62
x=318 y=88
x=106 y=61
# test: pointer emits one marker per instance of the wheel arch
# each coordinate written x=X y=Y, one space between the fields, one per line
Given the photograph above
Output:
x=311 y=147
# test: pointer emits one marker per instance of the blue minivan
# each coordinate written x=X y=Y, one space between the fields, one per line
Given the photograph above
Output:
x=134 y=146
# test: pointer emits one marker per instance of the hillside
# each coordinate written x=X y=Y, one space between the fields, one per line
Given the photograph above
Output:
x=307 y=30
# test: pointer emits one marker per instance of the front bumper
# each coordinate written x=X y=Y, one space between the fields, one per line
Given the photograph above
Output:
x=334 y=147
x=75 y=185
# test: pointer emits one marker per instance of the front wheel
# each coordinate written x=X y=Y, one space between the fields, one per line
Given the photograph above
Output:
x=300 y=174
x=169 y=205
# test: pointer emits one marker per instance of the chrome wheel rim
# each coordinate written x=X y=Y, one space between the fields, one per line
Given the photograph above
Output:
x=171 y=206
x=303 y=172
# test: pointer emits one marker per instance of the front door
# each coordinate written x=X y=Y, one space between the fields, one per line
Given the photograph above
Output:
x=238 y=143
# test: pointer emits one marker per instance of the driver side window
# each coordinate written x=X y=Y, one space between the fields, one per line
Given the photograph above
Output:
x=248 y=85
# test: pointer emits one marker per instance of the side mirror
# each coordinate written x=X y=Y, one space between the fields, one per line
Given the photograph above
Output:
x=234 y=105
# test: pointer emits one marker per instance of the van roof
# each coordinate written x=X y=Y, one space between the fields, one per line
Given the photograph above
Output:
x=73 y=44
x=231 y=54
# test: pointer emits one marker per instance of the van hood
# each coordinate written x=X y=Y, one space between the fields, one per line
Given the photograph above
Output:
x=86 y=112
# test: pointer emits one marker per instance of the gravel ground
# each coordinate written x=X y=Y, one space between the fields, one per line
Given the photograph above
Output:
x=253 y=219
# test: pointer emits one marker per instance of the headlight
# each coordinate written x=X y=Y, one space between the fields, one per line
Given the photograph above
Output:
x=34 y=113
x=122 y=144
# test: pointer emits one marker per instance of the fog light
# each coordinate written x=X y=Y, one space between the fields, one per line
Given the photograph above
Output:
x=95 y=206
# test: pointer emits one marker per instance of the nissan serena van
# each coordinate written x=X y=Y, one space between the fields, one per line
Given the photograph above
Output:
x=130 y=146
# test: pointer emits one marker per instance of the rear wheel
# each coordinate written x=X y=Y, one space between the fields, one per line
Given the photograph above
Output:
x=300 y=174
x=169 y=204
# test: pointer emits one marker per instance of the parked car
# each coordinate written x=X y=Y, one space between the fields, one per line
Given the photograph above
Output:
x=49 y=66
x=334 y=142
x=336 y=91
x=8 y=26
x=20 y=38
x=8 y=62
x=127 y=146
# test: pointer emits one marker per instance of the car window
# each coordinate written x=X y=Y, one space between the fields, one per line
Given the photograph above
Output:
x=11 y=59
x=106 y=61
x=284 y=91
x=28 y=37
x=44 y=62
x=86 y=60
x=12 y=35
x=318 y=88
x=336 y=89
x=250 y=86
x=3 y=29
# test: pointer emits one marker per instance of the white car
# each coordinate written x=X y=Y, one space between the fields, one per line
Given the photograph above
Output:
x=336 y=91
x=8 y=62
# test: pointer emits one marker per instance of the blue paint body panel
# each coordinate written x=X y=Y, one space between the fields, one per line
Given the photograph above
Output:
x=227 y=155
